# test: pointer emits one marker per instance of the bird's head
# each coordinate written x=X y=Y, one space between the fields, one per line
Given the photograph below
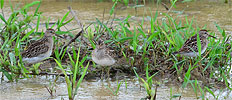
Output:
x=49 y=32
x=100 y=44
x=204 y=33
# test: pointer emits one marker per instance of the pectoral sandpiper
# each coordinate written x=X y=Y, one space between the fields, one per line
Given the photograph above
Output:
x=190 y=47
x=103 y=57
x=40 y=49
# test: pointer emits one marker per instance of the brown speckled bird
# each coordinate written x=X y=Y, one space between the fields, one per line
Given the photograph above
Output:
x=40 y=49
x=190 y=46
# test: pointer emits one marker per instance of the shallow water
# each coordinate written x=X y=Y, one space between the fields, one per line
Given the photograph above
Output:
x=34 y=89
x=205 y=12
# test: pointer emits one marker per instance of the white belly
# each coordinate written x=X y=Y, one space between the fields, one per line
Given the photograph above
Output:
x=104 y=61
x=37 y=59
x=194 y=54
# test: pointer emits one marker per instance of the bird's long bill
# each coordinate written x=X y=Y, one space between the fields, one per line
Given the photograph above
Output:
x=212 y=36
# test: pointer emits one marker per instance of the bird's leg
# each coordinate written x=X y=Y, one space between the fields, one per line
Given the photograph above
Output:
x=199 y=63
x=190 y=61
x=102 y=73
x=108 y=73
x=201 y=71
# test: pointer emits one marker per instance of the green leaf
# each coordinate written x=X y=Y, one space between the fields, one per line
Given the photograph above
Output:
x=219 y=28
x=152 y=36
x=141 y=31
x=83 y=59
x=27 y=35
x=12 y=58
x=30 y=5
x=125 y=39
x=173 y=3
x=62 y=20
x=146 y=86
x=8 y=76
x=57 y=54
x=80 y=80
x=5 y=43
x=118 y=87
x=199 y=45
x=38 y=22
x=136 y=73
x=135 y=41
x=2 y=3
x=3 y=19
x=210 y=91
x=76 y=67
x=47 y=23
x=60 y=66
x=66 y=22
x=74 y=54
x=17 y=46
x=187 y=76
x=166 y=35
x=156 y=15
x=63 y=53
x=113 y=7
x=126 y=2
x=36 y=11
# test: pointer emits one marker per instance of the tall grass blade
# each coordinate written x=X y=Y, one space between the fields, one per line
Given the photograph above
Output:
x=2 y=3
x=219 y=28
x=69 y=86
x=3 y=19
x=113 y=7
x=37 y=8
x=199 y=44
x=76 y=66
x=187 y=76
x=27 y=35
x=12 y=58
x=80 y=80
x=62 y=20
x=147 y=87
x=30 y=5
x=38 y=22
x=118 y=87
x=7 y=74
x=210 y=91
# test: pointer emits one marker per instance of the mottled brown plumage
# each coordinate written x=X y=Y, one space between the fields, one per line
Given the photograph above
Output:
x=40 y=49
x=190 y=46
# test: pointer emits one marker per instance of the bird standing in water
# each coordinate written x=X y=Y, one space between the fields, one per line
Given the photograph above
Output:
x=103 y=57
